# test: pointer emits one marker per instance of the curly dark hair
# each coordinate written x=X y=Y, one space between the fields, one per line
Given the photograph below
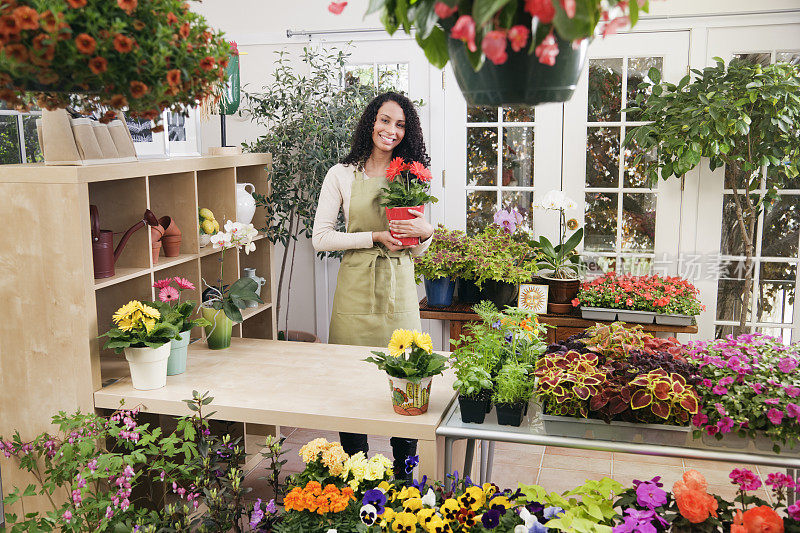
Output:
x=410 y=148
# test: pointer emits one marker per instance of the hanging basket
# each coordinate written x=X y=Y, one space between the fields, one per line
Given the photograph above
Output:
x=522 y=79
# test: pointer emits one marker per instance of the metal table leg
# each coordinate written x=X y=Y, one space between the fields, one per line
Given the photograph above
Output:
x=484 y=454
x=469 y=457
x=448 y=460
x=490 y=460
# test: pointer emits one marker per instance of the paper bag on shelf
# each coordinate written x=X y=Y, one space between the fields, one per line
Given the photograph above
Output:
x=57 y=140
x=123 y=141
x=107 y=147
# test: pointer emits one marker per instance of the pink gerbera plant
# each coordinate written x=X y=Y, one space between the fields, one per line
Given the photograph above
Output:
x=171 y=306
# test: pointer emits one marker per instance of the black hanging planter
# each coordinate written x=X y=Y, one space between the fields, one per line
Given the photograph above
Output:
x=510 y=414
x=467 y=292
x=522 y=79
x=500 y=293
x=473 y=409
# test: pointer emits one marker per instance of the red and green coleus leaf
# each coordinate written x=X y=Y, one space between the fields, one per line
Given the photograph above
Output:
x=617 y=405
x=660 y=409
x=690 y=403
x=641 y=399
x=595 y=379
x=661 y=390
x=581 y=391
x=599 y=401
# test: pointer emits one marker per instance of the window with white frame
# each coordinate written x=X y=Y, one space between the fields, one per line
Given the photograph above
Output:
x=19 y=142
x=382 y=76
x=500 y=155
x=775 y=262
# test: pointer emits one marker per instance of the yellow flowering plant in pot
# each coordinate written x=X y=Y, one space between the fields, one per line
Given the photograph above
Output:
x=410 y=365
x=144 y=335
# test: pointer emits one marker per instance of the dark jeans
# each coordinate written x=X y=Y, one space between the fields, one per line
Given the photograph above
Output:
x=401 y=450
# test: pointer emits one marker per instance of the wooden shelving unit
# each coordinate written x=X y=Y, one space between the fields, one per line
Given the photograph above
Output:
x=52 y=307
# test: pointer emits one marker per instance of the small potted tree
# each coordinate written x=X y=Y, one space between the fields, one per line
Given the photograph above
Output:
x=512 y=390
x=443 y=263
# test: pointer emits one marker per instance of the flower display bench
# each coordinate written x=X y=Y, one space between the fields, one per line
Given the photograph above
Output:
x=274 y=383
x=563 y=325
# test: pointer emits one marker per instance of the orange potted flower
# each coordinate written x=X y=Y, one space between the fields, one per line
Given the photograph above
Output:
x=408 y=190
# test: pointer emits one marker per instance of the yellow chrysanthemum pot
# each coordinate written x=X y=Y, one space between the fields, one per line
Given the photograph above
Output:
x=148 y=366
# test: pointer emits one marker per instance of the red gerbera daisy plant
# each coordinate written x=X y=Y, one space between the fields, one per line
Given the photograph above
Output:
x=409 y=184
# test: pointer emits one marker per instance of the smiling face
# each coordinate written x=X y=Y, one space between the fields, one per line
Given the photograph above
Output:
x=390 y=126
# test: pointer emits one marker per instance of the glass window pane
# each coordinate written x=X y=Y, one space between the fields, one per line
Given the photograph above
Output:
x=783 y=182
x=605 y=90
x=792 y=57
x=638 y=67
x=481 y=113
x=729 y=291
x=602 y=157
x=724 y=331
x=598 y=264
x=359 y=74
x=783 y=334
x=638 y=222
x=481 y=206
x=731 y=242
x=523 y=201
x=518 y=114
x=781 y=227
x=760 y=58
x=600 y=230
x=634 y=174
x=518 y=157
x=9 y=140
x=393 y=77
x=637 y=266
x=32 y=149
x=776 y=293
x=481 y=156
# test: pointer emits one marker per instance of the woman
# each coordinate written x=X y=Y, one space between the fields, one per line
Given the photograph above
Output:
x=375 y=290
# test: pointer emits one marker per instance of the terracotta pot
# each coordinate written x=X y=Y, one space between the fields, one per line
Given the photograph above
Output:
x=562 y=291
x=402 y=213
x=156 y=233
x=171 y=239
x=559 y=309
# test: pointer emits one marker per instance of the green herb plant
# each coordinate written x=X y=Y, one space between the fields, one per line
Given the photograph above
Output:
x=514 y=384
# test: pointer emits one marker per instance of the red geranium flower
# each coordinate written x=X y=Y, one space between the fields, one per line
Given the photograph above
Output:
x=171 y=18
x=207 y=63
x=98 y=65
x=85 y=43
x=396 y=166
x=123 y=44
x=184 y=31
x=419 y=170
x=28 y=17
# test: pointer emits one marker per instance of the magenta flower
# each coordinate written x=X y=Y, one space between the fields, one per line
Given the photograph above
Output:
x=650 y=496
x=727 y=380
x=720 y=390
x=168 y=294
x=793 y=411
x=775 y=416
x=508 y=219
x=746 y=479
x=792 y=391
x=779 y=480
x=184 y=284
x=160 y=284
x=109 y=512
x=67 y=515
x=725 y=425
x=758 y=388
x=786 y=365
x=720 y=409
x=793 y=511
x=700 y=419
x=711 y=430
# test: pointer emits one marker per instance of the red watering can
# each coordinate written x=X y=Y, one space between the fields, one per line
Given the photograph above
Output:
x=103 y=257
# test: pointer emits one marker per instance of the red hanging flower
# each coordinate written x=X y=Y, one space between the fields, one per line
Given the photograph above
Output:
x=494 y=46
x=184 y=31
x=547 y=51
x=444 y=11
x=123 y=44
x=98 y=65
x=174 y=77
x=207 y=63
x=27 y=17
x=518 y=37
x=171 y=18
x=75 y=4
x=337 y=7
x=464 y=29
x=128 y=6
x=138 y=89
x=541 y=8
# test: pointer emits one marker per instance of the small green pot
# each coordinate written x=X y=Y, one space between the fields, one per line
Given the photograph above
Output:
x=218 y=334
x=177 y=355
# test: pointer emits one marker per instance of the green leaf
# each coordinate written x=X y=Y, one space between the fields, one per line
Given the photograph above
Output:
x=425 y=20
x=435 y=47
x=231 y=311
x=375 y=5
x=484 y=10
x=654 y=74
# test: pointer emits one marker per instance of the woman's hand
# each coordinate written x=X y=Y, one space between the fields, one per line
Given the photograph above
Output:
x=385 y=238
x=416 y=227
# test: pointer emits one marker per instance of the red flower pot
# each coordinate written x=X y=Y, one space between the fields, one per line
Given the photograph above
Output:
x=402 y=213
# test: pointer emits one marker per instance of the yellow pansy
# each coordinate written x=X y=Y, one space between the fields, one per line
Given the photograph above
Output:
x=473 y=498
x=489 y=489
x=401 y=340
x=499 y=501
x=424 y=516
x=387 y=516
x=449 y=509
x=423 y=340
x=437 y=525
x=412 y=505
x=405 y=522
x=409 y=492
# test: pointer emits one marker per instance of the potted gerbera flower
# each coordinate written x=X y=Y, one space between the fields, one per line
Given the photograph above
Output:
x=144 y=335
x=408 y=190
x=180 y=314
x=410 y=365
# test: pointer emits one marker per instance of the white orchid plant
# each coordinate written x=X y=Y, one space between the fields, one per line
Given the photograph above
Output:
x=561 y=258
x=231 y=299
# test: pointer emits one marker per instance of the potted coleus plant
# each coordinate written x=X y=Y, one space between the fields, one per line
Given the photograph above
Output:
x=144 y=335
x=408 y=190
x=410 y=366
x=513 y=389
x=443 y=263
x=180 y=314
x=536 y=48
x=561 y=261
x=222 y=304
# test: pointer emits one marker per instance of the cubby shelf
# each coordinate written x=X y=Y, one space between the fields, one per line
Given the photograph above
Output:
x=250 y=311
x=166 y=262
x=120 y=274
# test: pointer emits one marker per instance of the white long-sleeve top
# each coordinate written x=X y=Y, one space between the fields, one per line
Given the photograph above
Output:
x=335 y=195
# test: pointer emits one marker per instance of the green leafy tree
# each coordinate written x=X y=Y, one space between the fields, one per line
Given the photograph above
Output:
x=744 y=116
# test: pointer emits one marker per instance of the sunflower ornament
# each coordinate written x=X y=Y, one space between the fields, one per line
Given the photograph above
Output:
x=410 y=366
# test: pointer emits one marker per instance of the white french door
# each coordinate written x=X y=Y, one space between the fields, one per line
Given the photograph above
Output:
x=776 y=274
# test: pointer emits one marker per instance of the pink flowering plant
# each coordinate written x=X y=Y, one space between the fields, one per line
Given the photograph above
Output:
x=750 y=385
x=492 y=29
x=447 y=256
x=172 y=309
x=665 y=295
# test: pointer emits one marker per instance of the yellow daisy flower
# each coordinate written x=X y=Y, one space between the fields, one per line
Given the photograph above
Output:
x=126 y=311
x=423 y=340
x=149 y=312
x=401 y=341
x=149 y=324
x=125 y=324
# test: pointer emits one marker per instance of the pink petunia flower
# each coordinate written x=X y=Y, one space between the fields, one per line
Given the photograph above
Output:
x=786 y=365
x=184 y=284
x=725 y=425
x=547 y=51
x=168 y=294
x=337 y=7
x=775 y=416
x=720 y=390
x=792 y=391
x=699 y=420
x=160 y=284
x=772 y=401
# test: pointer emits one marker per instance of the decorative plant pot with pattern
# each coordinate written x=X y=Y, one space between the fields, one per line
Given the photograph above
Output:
x=409 y=398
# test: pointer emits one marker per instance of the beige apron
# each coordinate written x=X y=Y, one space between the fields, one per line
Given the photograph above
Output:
x=375 y=290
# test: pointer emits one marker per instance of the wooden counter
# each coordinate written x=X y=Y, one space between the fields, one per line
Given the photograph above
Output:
x=309 y=385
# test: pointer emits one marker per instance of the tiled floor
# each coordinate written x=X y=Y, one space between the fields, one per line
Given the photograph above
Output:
x=556 y=469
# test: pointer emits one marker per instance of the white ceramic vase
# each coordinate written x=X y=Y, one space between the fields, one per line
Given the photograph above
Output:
x=245 y=203
x=148 y=366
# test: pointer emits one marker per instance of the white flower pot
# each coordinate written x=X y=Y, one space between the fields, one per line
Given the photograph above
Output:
x=148 y=366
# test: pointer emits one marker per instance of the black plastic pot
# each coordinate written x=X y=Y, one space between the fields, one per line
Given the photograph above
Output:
x=500 y=293
x=467 y=292
x=472 y=409
x=522 y=79
x=509 y=414
x=439 y=291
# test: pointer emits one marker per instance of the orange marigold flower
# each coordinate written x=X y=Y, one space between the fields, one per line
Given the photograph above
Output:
x=123 y=44
x=98 y=65
x=207 y=63
x=28 y=17
x=75 y=4
x=17 y=52
x=174 y=77
x=184 y=31
x=118 y=101
x=314 y=488
x=138 y=25
x=85 y=43
x=9 y=25
x=127 y=5
x=138 y=89
x=171 y=18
